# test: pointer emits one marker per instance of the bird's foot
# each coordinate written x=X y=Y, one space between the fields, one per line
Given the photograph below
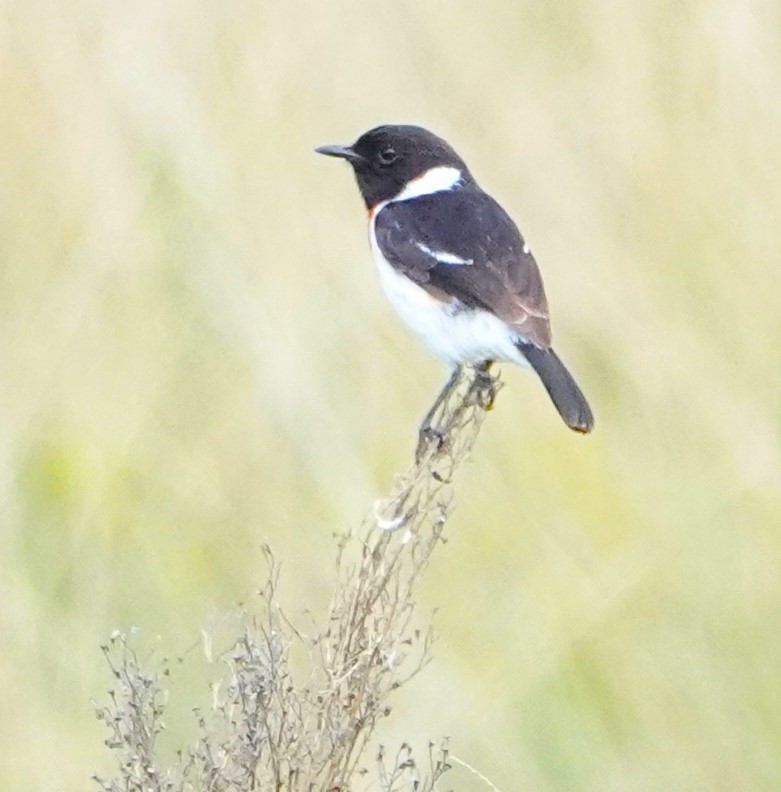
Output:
x=485 y=387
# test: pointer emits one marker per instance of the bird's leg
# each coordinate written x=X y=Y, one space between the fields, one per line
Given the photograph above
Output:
x=486 y=384
x=427 y=432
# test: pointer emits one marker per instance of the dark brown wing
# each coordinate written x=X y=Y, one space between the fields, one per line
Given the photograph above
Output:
x=461 y=243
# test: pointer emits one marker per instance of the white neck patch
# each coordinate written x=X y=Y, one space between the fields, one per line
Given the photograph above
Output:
x=434 y=180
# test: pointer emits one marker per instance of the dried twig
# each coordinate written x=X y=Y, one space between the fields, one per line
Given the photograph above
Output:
x=269 y=730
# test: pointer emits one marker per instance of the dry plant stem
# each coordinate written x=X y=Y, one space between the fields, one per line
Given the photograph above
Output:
x=374 y=601
x=134 y=720
x=272 y=729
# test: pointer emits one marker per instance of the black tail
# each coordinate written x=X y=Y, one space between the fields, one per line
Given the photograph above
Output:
x=562 y=388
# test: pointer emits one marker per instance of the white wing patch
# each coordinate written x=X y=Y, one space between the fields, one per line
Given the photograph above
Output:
x=443 y=256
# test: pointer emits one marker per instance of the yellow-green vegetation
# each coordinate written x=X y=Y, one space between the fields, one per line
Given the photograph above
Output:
x=195 y=358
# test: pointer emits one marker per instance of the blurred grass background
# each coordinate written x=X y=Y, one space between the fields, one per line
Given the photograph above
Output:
x=196 y=357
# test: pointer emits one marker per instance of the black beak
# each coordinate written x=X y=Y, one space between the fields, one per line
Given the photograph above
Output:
x=345 y=152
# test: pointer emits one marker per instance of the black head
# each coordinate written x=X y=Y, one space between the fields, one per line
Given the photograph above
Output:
x=387 y=158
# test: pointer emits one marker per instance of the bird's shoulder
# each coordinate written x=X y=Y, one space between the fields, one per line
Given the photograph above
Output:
x=467 y=223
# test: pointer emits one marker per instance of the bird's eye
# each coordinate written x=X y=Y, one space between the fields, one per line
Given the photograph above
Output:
x=387 y=156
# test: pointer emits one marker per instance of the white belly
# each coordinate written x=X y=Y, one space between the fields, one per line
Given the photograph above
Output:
x=455 y=334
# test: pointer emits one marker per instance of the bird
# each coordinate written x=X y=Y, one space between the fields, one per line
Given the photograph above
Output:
x=454 y=264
